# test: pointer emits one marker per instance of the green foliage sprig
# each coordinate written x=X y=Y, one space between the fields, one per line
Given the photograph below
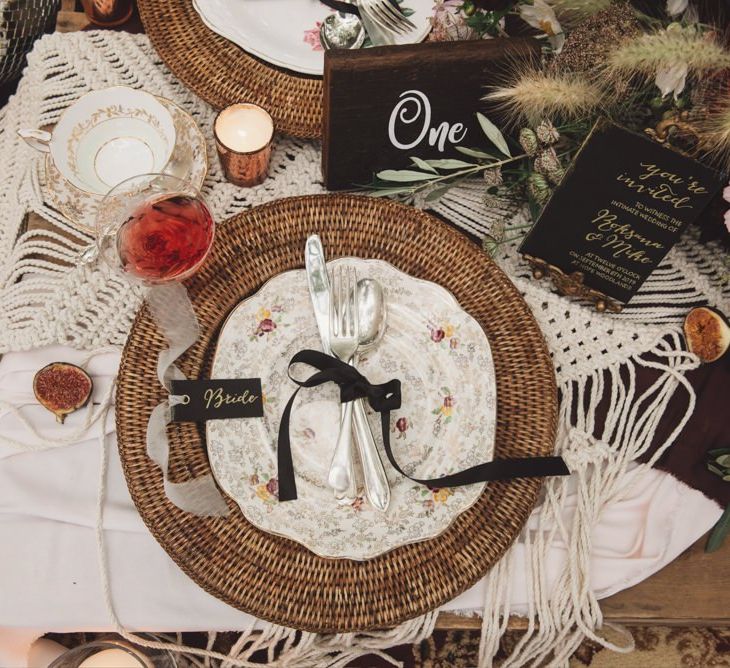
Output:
x=719 y=463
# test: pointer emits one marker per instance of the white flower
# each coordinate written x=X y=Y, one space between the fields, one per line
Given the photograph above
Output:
x=540 y=15
x=676 y=7
x=448 y=24
x=671 y=79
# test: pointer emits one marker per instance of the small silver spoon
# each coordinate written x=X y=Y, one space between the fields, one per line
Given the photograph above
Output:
x=341 y=31
x=372 y=315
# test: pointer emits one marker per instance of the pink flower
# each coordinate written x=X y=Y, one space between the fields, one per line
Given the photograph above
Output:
x=272 y=487
x=266 y=325
x=437 y=335
x=311 y=37
x=402 y=424
x=727 y=220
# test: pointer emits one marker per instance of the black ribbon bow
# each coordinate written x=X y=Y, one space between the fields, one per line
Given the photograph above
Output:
x=383 y=399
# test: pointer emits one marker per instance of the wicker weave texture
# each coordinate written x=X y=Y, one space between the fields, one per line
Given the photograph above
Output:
x=275 y=578
x=222 y=73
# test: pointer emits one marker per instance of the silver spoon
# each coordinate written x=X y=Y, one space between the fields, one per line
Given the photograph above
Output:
x=341 y=31
x=372 y=315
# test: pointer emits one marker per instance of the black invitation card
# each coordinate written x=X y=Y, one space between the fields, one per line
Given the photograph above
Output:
x=621 y=207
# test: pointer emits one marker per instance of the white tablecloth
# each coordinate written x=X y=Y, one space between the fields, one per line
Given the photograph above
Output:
x=49 y=571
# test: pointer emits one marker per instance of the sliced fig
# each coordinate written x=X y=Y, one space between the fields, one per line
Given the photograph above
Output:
x=707 y=333
x=62 y=388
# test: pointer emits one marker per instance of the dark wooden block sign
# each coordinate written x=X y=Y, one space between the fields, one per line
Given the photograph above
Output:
x=385 y=104
x=621 y=207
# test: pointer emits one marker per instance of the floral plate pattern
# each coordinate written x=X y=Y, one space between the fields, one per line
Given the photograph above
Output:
x=285 y=33
x=188 y=161
x=446 y=422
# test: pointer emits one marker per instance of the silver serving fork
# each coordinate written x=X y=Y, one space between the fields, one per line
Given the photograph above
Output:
x=344 y=341
x=386 y=16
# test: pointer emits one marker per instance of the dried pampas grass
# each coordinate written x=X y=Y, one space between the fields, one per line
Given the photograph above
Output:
x=534 y=94
x=714 y=135
x=647 y=53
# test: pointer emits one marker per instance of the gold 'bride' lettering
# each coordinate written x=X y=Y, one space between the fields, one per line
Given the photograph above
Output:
x=217 y=398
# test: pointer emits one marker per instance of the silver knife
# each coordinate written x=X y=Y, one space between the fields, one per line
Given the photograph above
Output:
x=319 y=291
x=319 y=287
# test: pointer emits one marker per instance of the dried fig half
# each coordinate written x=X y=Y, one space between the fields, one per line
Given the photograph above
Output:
x=62 y=388
x=707 y=333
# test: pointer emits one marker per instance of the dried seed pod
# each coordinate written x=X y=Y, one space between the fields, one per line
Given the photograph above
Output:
x=62 y=388
x=546 y=133
x=528 y=141
x=707 y=333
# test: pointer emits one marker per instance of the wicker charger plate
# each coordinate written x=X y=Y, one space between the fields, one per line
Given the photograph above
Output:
x=275 y=578
x=222 y=73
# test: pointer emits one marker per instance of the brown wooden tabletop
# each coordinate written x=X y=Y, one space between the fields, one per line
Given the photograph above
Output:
x=694 y=590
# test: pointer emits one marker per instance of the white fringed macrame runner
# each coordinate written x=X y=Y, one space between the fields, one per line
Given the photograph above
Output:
x=596 y=356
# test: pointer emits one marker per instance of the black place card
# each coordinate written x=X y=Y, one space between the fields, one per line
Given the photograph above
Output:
x=216 y=399
x=619 y=210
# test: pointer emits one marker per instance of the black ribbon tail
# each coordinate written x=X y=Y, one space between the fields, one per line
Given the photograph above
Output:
x=344 y=7
x=498 y=469
x=284 y=463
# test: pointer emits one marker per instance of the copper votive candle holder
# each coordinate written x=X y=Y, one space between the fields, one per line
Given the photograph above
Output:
x=244 y=134
x=107 y=13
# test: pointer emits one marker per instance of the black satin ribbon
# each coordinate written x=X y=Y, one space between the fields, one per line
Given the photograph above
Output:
x=383 y=399
x=344 y=7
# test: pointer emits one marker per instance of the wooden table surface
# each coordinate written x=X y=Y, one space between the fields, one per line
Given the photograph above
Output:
x=694 y=590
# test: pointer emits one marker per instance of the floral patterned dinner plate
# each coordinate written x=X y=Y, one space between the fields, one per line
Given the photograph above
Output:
x=446 y=422
x=285 y=33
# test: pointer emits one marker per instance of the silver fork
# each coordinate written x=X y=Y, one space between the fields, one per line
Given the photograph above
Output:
x=344 y=340
x=386 y=16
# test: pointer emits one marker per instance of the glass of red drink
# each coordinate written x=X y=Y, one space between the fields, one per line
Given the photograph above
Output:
x=154 y=228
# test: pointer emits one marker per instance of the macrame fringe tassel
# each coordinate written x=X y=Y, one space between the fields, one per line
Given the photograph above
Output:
x=562 y=616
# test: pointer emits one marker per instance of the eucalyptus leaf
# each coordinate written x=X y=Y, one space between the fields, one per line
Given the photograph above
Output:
x=715 y=469
x=475 y=153
x=450 y=164
x=493 y=134
x=724 y=461
x=718 y=452
x=387 y=192
x=423 y=164
x=404 y=175
x=719 y=532
x=437 y=193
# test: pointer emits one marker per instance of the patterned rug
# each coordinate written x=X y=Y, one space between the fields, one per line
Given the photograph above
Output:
x=656 y=647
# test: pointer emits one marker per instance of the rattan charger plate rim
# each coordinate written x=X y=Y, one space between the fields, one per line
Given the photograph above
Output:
x=277 y=579
x=222 y=73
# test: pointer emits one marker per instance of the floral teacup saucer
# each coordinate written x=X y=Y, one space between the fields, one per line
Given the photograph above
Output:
x=189 y=161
